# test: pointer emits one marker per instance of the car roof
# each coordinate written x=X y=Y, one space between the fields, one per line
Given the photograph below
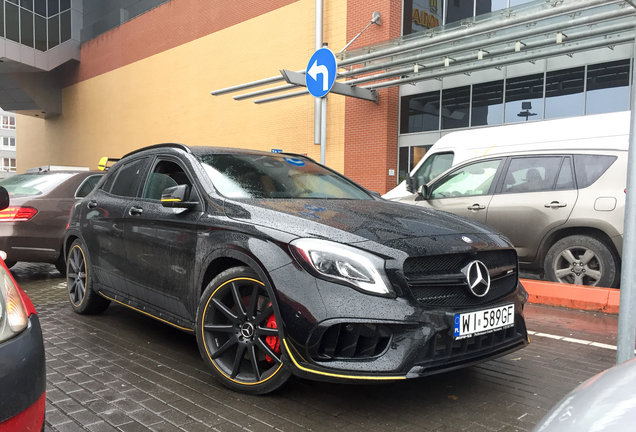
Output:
x=200 y=150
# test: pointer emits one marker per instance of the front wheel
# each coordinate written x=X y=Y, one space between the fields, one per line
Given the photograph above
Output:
x=238 y=335
x=581 y=260
x=80 y=284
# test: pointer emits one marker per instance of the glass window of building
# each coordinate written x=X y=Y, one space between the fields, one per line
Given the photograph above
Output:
x=8 y=122
x=607 y=87
x=8 y=142
x=487 y=108
x=65 y=5
x=54 y=7
x=28 y=4
x=487 y=6
x=54 y=31
x=26 y=27
x=420 y=15
x=417 y=153
x=455 y=108
x=40 y=33
x=420 y=113
x=40 y=7
x=524 y=98
x=65 y=26
x=12 y=22
x=519 y=2
x=403 y=163
x=564 y=93
x=457 y=10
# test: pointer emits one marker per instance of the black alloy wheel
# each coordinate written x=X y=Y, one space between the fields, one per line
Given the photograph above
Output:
x=238 y=334
x=78 y=279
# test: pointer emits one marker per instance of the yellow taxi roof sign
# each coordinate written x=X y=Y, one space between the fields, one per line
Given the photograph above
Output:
x=102 y=163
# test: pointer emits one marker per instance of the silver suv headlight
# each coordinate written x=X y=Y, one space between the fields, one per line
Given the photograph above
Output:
x=13 y=315
x=343 y=264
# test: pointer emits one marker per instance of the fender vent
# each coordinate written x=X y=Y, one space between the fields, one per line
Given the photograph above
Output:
x=353 y=341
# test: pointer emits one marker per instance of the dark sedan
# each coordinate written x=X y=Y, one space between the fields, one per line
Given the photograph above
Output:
x=22 y=362
x=32 y=228
x=281 y=266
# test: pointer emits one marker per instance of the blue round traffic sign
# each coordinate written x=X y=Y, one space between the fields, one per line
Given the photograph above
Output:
x=321 y=72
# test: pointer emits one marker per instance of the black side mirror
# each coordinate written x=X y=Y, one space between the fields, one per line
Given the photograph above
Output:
x=176 y=197
x=411 y=185
x=4 y=198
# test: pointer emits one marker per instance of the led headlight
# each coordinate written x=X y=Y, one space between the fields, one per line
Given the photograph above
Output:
x=13 y=316
x=342 y=264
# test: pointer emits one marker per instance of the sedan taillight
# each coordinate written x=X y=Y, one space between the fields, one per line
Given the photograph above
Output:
x=17 y=214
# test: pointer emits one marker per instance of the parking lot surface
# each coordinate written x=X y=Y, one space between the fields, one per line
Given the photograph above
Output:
x=123 y=371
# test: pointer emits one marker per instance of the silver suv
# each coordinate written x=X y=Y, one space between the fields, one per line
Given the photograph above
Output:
x=562 y=210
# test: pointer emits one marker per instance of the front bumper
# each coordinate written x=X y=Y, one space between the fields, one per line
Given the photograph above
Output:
x=23 y=376
x=349 y=335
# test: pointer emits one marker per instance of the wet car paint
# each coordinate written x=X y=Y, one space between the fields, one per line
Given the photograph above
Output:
x=257 y=233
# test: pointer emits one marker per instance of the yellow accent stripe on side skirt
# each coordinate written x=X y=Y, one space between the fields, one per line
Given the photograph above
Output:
x=145 y=313
x=369 y=378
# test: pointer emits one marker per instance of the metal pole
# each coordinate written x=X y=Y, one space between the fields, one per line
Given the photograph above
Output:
x=323 y=131
x=317 y=102
x=627 y=306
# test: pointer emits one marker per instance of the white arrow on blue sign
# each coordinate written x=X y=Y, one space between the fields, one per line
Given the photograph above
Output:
x=321 y=72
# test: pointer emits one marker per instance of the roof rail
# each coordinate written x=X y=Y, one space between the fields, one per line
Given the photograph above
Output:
x=162 y=145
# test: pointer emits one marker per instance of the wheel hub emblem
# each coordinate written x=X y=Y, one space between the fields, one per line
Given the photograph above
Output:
x=477 y=278
x=247 y=330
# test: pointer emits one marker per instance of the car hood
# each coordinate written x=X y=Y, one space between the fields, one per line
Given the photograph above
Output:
x=353 y=221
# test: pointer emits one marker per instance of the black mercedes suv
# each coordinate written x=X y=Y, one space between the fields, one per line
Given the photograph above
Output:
x=281 y=266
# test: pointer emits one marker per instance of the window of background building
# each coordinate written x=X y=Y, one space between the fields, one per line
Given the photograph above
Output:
x=564 y=93
x=458 y=10
x=65 y=26
x=26 y=27
x=455 y=107
x=40 y=33
x=8 y=122
x=12 y=21
x=40 y=7
x=54 y=7
x=8 y=142
x=607 y=87
x=487 y=107
x=487 y=6
x=420 y=113
x=519 y=2
x=403 y=163
x=8 y=164
x=524 y=98
x=421 y=15
x=54 y=31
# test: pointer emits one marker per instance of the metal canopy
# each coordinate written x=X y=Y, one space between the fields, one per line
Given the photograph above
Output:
x=527 y=33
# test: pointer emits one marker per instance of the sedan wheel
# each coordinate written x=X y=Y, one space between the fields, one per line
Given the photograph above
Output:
x=581 y=260
x=238 y=335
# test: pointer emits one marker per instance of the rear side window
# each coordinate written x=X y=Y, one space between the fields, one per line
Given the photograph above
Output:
x=87 y=185
x=128 y=178
x=112 y=175
x=531 y=174
x=589 y=168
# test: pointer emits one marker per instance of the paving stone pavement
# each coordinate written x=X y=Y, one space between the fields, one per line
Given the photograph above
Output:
x=122 y=371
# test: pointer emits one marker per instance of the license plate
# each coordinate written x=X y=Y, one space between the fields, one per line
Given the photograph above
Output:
x=484 y=321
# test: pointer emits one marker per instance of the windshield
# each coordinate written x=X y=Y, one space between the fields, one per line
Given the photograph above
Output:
x=276 y=176
x=33 y=184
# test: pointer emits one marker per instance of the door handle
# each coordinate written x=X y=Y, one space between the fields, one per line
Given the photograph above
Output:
x=135 y=211
x=476 y=207
x=92 y=204
x=555 y=205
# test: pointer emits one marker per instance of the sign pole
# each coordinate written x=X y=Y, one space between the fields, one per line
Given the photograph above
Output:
x=317 y=101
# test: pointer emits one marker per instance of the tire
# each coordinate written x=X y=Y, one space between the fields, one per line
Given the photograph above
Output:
x=83 y=299
x=10 y=264
x=238 y=335
x=582 y=260
x=60 y=264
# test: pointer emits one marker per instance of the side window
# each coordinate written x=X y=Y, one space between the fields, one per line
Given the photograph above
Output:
x=565 y=180
x=589 y=168
x=433 y=166
x=165 y=174
x=531 y=174
x=473 y=179
x=112 y=175
x=87 y=185
x=129 y=177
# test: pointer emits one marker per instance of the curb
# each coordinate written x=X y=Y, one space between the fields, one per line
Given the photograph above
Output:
x=572 y=296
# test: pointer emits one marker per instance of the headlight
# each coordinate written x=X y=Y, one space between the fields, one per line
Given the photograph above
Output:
x=13 y=316
x=342 y=264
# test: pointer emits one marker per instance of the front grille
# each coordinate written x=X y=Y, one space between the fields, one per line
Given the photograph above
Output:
x=443 y=346
x=438 y=280
x=353 y=341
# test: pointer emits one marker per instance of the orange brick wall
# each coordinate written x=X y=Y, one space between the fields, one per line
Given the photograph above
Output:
x=371 y=131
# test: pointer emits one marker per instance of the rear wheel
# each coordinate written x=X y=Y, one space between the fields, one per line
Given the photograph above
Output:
x=582 y=260
x=80 y=284
x=238 y=335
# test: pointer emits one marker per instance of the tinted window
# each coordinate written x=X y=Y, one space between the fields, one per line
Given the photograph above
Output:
x=487 y=108
x=524 y=98
x=565 y=180
x=434 y=166
x=455 y=107
x=420 y=113
x=564 y=93
x=531 y=174
x=165 y=174
x=33 y=184
x=607 y=87
x=589 y=168
x=88 y=185
x=276 y=176
x=112 y=175
x=474 y=179
x=128 y=178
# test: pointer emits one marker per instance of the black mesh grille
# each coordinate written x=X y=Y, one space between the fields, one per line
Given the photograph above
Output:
x=353 y=341
x=438 y=280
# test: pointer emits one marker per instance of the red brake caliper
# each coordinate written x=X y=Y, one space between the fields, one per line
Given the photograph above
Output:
x=272 y=341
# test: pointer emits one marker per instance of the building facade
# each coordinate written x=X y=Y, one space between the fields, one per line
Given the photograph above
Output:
x=8 y=163
x=116 y=76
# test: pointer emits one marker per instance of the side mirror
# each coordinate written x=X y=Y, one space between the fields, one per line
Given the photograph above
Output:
x=4 y=198
x=375 y=194
x=176 y=197
x=411 y=184
x=423 y=191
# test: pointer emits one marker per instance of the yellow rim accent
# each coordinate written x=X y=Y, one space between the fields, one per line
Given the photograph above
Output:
x=206 y=347
x=335 y=375
x=170 y=199
x=85 y=278
x=145 y=313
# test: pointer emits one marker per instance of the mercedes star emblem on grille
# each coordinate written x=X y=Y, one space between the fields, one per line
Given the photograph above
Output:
x=477 y=278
